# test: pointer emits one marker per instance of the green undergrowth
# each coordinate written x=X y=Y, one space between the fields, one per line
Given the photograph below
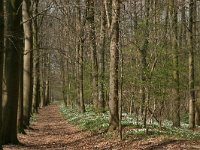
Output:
x=86 y=121
x=99 y=121
x=170 y=132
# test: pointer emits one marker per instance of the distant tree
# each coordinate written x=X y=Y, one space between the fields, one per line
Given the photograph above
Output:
x=12 y=70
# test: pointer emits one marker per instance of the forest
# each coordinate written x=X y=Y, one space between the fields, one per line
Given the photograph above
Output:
x=121 y=69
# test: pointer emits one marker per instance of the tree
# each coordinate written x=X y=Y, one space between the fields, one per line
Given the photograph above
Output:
x=12 y=70
x=143 y=59
x=114 y=63
x=101 y=80
x=92 y=36
x=81 y=26
x=175 y=48
x=36 y=58
x=1 y=61
x=192 y=47
x=27 y=70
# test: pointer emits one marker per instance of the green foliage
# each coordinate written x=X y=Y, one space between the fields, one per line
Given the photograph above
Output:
x=89 y=120
x=154 y=130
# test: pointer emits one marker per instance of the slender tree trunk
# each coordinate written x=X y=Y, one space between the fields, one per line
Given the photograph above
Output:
x=81 y=26
x=101 y=80
x=192 y=47
x=46 y=92
x=12 y=70
x=1 y=62
x=121 y=90
x=27 y=72
x=63 y=72
x=20 y=120
x=81 y=96
x=36 y=61
x=197 y=114
x=42 y=82
x=114 y=63
x=175 y=48
x=90 y=17
x=143 y=53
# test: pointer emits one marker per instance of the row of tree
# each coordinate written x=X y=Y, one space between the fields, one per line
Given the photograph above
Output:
x=137 y=55
x=144 y=52
x=23 y=89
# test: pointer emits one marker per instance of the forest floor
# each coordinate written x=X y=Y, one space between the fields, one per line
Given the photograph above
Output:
x=51 y=131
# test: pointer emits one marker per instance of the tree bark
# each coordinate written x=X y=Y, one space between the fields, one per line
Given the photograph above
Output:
x=81 y=25
x=143 y=55
x=1 y=62
x=175 y=48
x=101 y=85
x=192 y=47
x=114 y=63
x=12 y=70
x=92 y=34
x=36 y=61
x=27 y=71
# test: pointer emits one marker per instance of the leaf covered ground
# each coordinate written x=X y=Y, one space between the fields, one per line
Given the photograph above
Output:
x=51 y=131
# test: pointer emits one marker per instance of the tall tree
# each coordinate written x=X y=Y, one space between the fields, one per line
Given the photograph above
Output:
x=36 y=60
x=114 y=63
x=1 y=61
x=81 y=26
x=101 y=80
x=175 y=48
x=27 y=70
x=192 y=47
x=143 y=59
x=12 y=70
x=92 y=35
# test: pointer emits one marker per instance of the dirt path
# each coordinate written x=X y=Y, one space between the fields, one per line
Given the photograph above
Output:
x=50 y=131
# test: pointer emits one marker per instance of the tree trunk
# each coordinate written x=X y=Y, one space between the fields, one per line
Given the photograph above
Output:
x=175 y=48
x=12 y=70
x=192 y=48
x=114 y=63
x=47 y=83
x=1 y=62
x=102 y=60
x=81 y=26
x=143 y=53
x=36 y=61
x=90 y=17
x=27 y=72
x=20 y=120
x=197 y=114
x=42 y=83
